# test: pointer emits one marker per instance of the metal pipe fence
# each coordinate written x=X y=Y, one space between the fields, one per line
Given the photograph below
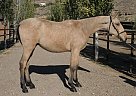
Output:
x=8 y=37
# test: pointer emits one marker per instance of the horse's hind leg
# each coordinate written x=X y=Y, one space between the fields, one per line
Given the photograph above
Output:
x=27 y=51
x=27 y=77
x=73 y=69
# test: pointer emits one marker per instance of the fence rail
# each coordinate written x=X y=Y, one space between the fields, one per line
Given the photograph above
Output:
x=8 y=37
x=128 y=26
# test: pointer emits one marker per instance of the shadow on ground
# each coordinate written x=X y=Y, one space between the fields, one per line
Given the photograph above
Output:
x=117 y=60
x=60 y=70
x=9 y=43
x=129 y=81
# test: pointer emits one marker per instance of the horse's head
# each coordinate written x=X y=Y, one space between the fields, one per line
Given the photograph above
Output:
x=116 y=28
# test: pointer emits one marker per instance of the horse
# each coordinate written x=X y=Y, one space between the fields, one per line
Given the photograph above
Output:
x=65 y=36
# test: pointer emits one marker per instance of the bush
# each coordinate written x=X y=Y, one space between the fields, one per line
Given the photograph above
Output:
x=77 y=9
x=27 y=9
x=6 y=10
x=57 y=12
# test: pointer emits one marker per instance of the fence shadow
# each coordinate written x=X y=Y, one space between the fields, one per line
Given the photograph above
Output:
x=129 y=81
x=117 y=60
x=9 y=43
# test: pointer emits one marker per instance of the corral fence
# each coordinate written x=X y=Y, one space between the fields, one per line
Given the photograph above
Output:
x=132 y=32
x=128 y=26
x=8 y=37
x=131 y=43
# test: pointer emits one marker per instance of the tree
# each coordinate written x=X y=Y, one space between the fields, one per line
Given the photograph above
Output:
x=26 y=9
x=77 y=9
x=16 y=10
x=6 y=10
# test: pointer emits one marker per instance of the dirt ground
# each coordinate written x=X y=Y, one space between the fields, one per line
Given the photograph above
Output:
x=49 y=73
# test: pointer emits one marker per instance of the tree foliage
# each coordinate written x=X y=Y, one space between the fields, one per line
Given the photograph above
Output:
x=6 y=9
x=16 y=9
x=27 y=9
x=77 y=9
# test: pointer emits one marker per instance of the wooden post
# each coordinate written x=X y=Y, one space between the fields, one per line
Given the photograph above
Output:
x=5 y=42
x=96 y=47
x=8 y=29
x=13 y=36
x=15 y=31
x=132 y=43
x=16 y=35
x=10 y=33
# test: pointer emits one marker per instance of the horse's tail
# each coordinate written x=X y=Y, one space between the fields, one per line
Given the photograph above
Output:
x=18 y=35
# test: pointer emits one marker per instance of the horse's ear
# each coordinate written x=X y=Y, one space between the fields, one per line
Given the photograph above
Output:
x=114 y=14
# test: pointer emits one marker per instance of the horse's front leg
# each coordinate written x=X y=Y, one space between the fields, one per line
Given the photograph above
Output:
x=73 y=69
x=77 y=84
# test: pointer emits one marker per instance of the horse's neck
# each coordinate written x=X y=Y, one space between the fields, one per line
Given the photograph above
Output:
x=96 y=23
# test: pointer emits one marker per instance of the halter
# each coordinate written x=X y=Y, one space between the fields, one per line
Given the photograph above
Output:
x=114 y=27
x=119 y=33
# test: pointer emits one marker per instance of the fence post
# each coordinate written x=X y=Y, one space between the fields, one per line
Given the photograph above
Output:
x=5 y=41
x=10 y=33
x=132 y=43
x=96 y=47
x=14 y=36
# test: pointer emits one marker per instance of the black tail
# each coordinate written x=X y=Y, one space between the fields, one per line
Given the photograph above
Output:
x=18 y=35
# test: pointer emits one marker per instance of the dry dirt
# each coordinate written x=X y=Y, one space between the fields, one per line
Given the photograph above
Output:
x=49 y=72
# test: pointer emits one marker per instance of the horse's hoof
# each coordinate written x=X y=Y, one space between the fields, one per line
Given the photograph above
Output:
x=25 y=90
x=73 y=89
x=78 y=85
x=30 y=85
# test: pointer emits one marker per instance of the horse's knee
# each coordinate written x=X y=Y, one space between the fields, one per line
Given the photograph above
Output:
x=73 y=67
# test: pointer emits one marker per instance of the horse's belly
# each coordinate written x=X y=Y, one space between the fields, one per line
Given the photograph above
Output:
x=55 y=47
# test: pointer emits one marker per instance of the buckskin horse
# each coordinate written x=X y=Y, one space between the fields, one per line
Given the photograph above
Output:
x=66 y=36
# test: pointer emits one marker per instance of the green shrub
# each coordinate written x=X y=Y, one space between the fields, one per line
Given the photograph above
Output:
x=27 y=9
x=57 y=12
x=77 y=9
x=6 y=9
